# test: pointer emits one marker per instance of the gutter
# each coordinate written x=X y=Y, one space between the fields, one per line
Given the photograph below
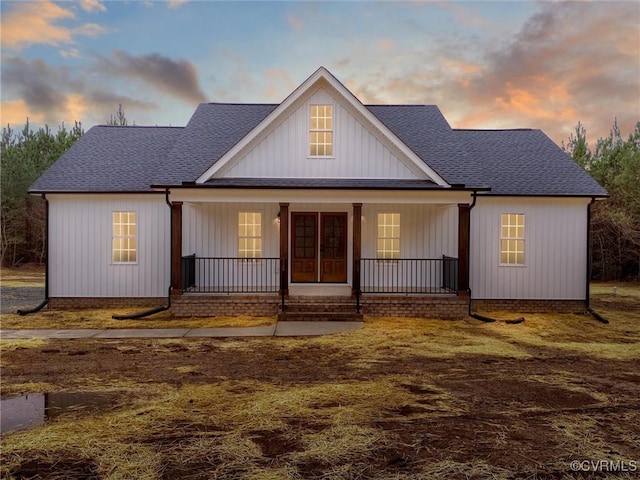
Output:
x=477 y=315
x=595 y=315
x=45 y=302
x=153 y=311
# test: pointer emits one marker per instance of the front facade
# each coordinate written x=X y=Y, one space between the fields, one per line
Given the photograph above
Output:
x=251 y=208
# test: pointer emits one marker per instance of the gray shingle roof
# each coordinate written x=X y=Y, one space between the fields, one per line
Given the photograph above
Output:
x=212 y=130
x=110 y=159
x=515 y=162
x=525 y=162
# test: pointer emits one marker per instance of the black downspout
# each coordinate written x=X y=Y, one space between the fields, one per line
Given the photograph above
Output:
x=596 y=315
x=166 y=307
x=46 y=265
x=471 y=314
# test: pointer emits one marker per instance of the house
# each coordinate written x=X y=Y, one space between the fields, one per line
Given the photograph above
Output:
x=258 y=208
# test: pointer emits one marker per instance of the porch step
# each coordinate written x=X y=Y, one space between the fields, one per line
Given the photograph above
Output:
x=342 y=309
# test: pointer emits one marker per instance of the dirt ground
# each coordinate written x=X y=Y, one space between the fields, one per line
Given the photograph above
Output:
x=399 y=399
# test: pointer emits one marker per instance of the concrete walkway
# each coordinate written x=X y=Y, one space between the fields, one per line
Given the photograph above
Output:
x=280 y=329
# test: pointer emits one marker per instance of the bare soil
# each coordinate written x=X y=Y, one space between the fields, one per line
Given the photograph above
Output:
x=396 y=400
x=508 y=413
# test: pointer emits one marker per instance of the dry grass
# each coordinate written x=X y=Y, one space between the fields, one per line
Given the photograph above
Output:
x=381 y=422
x=101 y=318
x=27 y=276
x=223 y=429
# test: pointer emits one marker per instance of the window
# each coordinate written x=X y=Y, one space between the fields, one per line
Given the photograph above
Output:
x=321 y=132
x=249 y=234
x=123 y=243
x=388 y=235
x=512 y=239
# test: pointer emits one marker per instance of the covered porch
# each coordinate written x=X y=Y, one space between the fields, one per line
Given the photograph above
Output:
x=374 y=255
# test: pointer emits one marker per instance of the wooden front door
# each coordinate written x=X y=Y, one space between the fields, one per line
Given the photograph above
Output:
x=304 y=247
x=319 y=254
x=333 y=247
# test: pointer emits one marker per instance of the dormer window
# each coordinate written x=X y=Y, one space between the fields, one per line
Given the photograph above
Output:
x=321 y=131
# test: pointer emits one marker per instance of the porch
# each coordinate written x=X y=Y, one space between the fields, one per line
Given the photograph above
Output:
x=323 y=252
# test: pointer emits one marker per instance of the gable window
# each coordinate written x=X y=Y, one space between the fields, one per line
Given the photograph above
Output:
x=124 y=238
x=321 y=132
x=388 y=241
x=249 y=234
x=512 y=239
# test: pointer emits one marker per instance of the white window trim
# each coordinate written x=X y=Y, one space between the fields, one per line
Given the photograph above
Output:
x=137 y=224
x=399 y=237
x=332 y=130
x=523 y=238
x=238 y=237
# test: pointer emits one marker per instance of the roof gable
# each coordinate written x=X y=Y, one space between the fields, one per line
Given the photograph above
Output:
x=323 y=80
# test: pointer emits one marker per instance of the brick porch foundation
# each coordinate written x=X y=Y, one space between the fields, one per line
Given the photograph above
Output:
x=420 y=306
x=198 y=305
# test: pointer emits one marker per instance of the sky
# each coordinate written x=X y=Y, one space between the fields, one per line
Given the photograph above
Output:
x=487 y=65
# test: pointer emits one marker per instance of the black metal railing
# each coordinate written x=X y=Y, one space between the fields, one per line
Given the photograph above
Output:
x=408 y=275
x=230 y=275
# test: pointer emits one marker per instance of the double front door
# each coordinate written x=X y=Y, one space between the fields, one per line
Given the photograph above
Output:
x=319 y=247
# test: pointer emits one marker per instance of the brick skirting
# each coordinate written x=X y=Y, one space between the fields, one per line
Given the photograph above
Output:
x=64 y=303
x=198 y=305
x=420 y=306
x=529 y=306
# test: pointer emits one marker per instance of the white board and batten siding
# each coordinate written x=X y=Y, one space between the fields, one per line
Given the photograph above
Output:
x=555 y=265
x=80 y=246
x=211 y=229
x=426 y=231
x=357 y=153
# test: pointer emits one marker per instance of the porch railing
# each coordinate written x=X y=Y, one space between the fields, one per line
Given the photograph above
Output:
x=409 y=275
x=230 y=274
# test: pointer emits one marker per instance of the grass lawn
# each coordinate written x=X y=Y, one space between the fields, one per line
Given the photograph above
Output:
x=399 y=399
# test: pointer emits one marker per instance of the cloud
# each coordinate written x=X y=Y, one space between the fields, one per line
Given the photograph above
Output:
x=32 y=23
x=15 y=112
x=92 y=6
x=176 y=3
x=71 y=53
x=295 y=22
x=278 y=83
x=568 y=62
x=49 y=94
x=178 y=78
x=385 y=45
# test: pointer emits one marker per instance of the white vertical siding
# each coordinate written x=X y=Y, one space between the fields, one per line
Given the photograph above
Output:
x=426 y=231
x=555 y=249
x=284 y=152
x=80 y=239
x=211 y=229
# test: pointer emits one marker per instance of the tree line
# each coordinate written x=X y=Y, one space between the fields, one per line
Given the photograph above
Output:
x=614 y=162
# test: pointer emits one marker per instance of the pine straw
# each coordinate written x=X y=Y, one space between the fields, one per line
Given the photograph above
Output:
x=392 y=336
x=9 y=344
x=218 y=428
x=576 y=333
